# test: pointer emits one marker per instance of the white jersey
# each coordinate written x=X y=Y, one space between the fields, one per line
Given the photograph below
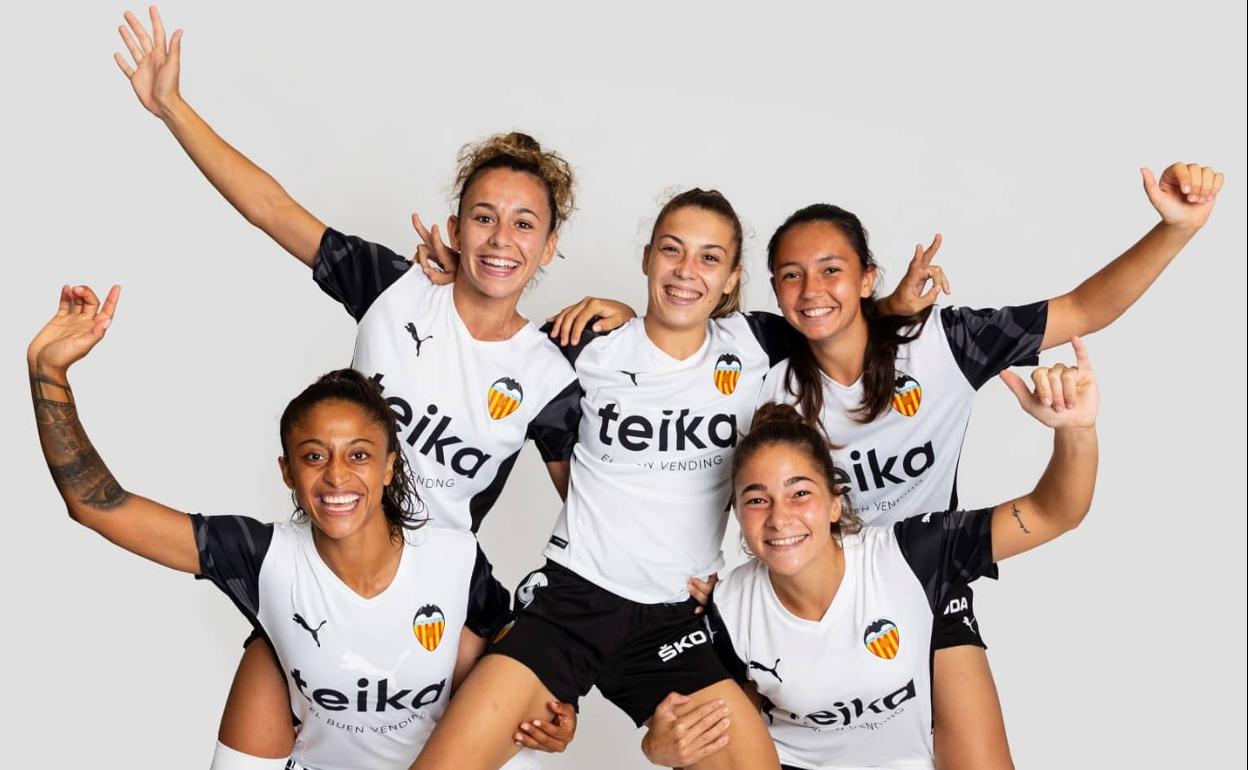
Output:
x=368 y=678
x=853 y=689
x=648 y=499
x=464 y=407
x=906 y=460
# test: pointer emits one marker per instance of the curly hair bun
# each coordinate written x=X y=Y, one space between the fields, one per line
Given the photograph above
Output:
x=771 y=412
x=519 y=152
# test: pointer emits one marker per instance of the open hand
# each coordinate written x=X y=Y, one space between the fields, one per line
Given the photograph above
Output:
x=154 y=75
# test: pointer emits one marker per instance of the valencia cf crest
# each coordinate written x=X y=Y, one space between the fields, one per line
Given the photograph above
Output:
x=727 y=372
x=504 y=397
x=907 y=394
x=428 y=626
x=882 y=639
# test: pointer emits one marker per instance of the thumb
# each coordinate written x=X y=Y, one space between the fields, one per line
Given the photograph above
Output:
x=1017 y=387
x=175 y=46
x=1150 y=183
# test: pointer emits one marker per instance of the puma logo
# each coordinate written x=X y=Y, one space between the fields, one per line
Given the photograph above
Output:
x=631 y=375
x=314 y=631
x=411 y=329
x=773 y=670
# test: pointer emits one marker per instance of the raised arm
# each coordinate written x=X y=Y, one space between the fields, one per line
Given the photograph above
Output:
x=247 y=187
x=93 y=497
x=1065 y=399
x=1184 y=197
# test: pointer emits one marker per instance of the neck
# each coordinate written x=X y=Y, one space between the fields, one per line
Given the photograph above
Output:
x=487 y=318
x=843 y=355
x=677 y=343
x=367 y=561
x=810 y=592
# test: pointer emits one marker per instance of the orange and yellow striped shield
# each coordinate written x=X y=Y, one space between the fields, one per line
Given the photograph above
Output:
x=504 y=397
x=883 y=639
x=907 y=395
x=727 y=372
x=428 y=626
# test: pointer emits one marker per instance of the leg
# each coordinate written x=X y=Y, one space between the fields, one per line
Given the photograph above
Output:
x=749 y=744
x=476 y=731
x=257 y=719
x=967 y=727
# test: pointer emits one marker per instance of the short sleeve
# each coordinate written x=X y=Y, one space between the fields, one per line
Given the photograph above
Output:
x=986 y=341
x=774 y=334
x=572 y=352
x=231 y=550
x=947 y=550
x=489 y=603
x=354 y=271
x=554 y=428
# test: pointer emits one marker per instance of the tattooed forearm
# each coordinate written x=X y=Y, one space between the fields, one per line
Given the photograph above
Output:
x=76 y=467
x=1018 y=517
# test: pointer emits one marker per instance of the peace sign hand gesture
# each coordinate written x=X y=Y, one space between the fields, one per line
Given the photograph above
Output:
x=912 y=295
x=154 y=75
x=79 y=323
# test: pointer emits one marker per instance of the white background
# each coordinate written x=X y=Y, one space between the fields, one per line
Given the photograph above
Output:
x=1016 y=130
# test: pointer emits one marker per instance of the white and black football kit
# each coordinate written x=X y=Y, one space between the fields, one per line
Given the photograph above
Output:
x=646 y=510
x=464 y=407
x=853 y=689
x=368 y=677
x=906 y=460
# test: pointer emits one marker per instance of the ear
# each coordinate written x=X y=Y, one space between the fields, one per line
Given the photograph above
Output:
x=733 y=279
x=868 y=282
x=389 y=474
x=645 y=259
x=452 y=231
x=552 y=248
x=835 y=514
x=285 y=467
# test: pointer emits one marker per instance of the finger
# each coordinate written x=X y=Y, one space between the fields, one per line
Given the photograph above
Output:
x=67 y=299
x=420 y=229
x=938 y=276
x=1177 y=176
x=930 y=253
x=175 y=46
x=1082 y=360
x=110 y=302
x=671 y=702
x=1040 y=378
x=1193 y=174
x=422 y=257
x=569 y=321
x=709 y=749
x=1055 y=387
x=582 y=319
x=135 y=52
x=1018 y=388
x=1070 y=387
x=86 y=300
x=1218 y=179
x=556 y=731
x=1206 y=183
x=140 y=34
x=704 y=717
x=916 y=262
x=710 y=729
x=535 y=737
x=126 y=69
x=158 y=29
x=1150 y=185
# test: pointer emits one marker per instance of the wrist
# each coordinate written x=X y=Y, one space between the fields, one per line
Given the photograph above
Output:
x=1076 y=433
x=43 y=369
x=171 y=108
x=1178 y=229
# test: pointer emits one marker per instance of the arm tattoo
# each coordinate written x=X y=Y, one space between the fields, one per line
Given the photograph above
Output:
x=1018 y=517
x=76 y=467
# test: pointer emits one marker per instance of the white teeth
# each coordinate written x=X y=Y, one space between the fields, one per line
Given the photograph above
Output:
x=816 y=312
x=682 y=293
x=786 y=541
x=502 y=264
x=339 y=499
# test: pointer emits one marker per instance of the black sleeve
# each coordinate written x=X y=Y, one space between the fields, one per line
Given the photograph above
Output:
x=947 y=550
x=571 y=352
x=354 y=271
x=721 y=642
x=554 y=428
x=985 y=342
x=774 y=334
x=489 y=603
x=231 y=550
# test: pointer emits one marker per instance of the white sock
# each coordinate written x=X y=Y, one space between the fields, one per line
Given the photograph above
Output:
x=226 y=758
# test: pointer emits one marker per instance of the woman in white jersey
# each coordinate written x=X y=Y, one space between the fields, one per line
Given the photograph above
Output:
x=368 y=611
x=831 y=623
x=468 y=378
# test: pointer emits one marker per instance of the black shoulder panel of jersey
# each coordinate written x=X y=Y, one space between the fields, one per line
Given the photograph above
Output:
x=986 y=341
x=572 y=352
x=554 y=429
x=947 y=550
x=721 y=642
x=231 y=550
x=774 y=334
x=355 y=271
x=489 y=603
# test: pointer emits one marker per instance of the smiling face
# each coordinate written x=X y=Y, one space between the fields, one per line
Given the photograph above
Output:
x=691 y=262
x=819 y=280
x=786 y=508
x=338 y=467
x=503 y=232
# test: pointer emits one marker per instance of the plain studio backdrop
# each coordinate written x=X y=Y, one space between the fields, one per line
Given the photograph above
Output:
x=1016 y=131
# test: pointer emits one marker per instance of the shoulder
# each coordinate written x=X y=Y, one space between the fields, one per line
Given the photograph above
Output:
x=738 y=584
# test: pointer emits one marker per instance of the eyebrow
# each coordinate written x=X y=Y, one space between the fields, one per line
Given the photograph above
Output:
x=790 y=481
x=318 y=442
x=758 y=486
x=820 y=260
x=493 y=208
x=682 y=243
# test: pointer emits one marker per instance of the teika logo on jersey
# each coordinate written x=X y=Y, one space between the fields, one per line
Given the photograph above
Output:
x=428 y=625
x=431 y=435
x=676 y=432
x=504 y=397
x=907 y=394
x=870 y=472
x=727 y=373
x=858 y=712
x=369 y=696
x=882 y=638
